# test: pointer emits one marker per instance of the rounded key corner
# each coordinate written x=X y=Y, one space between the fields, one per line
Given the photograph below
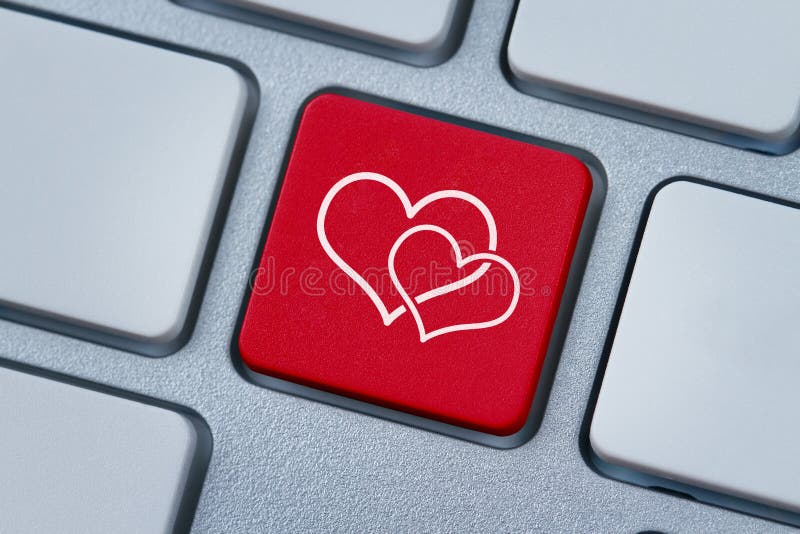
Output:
x=512 y=66
x=433 y=44
x=514 y=71
x=325 y=96
x=190 y=424
x=183 y=423
x=166 y=335
x=514 y=440
x=246 y=364
x=598 y=451
x=188 y=428
x=512 y=428
x=440 y=43
x=675 y=183
x=338 y=95
x=589 y=177
x=243 y=77
x=166 y=342
x=525 y=424
x=782 y=134
x=586 y=167
x=201 y=435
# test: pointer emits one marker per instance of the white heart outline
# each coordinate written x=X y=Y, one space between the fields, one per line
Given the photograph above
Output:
x=460 y=262
x=411 y=210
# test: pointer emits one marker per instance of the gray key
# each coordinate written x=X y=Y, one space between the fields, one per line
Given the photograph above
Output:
x=76 y=460
x=113 y=158
x=700 y=393
x=701 y=68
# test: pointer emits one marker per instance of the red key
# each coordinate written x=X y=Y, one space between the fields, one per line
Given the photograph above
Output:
x=415 y=264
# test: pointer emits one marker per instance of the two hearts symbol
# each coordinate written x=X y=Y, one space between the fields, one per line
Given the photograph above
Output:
x=485 y=259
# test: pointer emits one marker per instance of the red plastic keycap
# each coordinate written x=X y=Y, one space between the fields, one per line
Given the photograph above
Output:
x=415 y=264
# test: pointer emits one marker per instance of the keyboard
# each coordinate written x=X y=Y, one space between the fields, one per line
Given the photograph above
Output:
x=441 y=265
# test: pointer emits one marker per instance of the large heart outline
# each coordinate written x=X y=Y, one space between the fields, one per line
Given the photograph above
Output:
x=411 y=210
x=460 y=262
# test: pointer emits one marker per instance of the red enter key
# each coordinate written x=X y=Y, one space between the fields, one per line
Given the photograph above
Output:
x=415 y=265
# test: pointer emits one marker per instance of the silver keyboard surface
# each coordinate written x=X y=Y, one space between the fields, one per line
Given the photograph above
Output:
x=283 y=463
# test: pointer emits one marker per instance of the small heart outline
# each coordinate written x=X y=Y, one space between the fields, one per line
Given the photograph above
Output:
x=460 y=262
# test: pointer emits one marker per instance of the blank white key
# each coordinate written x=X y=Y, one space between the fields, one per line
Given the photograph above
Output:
x=420 y=27
x=730 y=67
x=113 y=156
x=701 y=386
x=76 y=460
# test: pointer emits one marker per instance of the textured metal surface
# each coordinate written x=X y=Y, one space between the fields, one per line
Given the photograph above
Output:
x=282 y=463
